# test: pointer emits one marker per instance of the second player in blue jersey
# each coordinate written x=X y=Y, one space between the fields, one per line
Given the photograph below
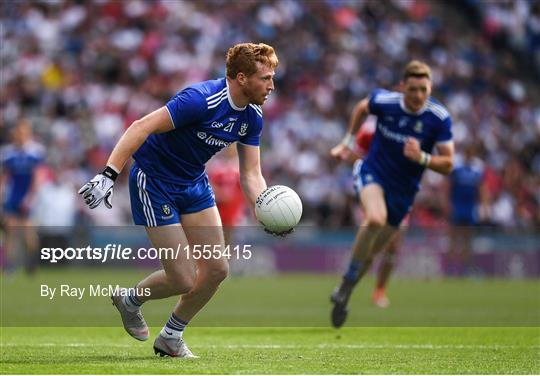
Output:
x=410 y=125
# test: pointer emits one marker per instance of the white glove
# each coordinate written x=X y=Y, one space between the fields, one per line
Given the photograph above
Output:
x=278 y=234
x=100 y=188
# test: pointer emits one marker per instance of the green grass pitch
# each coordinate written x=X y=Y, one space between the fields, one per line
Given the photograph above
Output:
x=279 y=324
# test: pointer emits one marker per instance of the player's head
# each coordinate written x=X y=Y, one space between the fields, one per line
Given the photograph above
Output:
x=252 y=67
x=22 y=132
x=416 y=84
x=469 y=151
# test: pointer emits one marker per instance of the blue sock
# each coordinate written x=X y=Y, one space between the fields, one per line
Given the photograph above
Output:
x=175 y=325
x=353 y=271
x=131 y=300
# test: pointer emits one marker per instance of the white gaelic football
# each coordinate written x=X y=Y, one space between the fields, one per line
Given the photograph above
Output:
x=278 y=208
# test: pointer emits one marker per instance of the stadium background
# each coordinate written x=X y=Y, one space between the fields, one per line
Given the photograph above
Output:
x=82 y=71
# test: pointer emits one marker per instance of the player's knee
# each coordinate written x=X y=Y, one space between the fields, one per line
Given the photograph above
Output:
x=181 y=284
x=376 y=220
x=216 y=274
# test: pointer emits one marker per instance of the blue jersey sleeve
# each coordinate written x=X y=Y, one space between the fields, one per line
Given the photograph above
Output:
x=254 y=131
x=445 y=131
x=373 y=105
x=187 y=107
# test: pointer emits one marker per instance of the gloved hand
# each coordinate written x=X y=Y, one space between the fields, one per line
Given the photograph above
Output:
x=281 y=234
x=100 y=188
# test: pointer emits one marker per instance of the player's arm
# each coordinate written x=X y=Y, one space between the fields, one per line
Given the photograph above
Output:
x=485 y=200
x=158 y=121
x=100 y=188
x=344 y=150
x=251 y=178
x=442 y=163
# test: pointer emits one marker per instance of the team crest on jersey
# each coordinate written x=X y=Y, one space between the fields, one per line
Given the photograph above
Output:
x=418 y=127
x=243 y=129
x=166 y=209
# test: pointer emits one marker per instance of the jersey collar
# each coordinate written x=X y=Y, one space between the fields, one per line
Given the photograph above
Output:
x=419 y=112
x=229 y=98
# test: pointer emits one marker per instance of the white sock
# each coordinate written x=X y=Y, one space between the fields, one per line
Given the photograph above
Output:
x=168 y=332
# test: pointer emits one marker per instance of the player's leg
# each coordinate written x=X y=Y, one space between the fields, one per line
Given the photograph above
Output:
x=31 y=242
x=9 y=242
x=20 y=241
x=453 y=249
x=204 y=228
x=380 y=243
x=177 y=277
x=465 y=255
x=201 y=228
x=148 y=198
x=386 y=267
x=373 y=231
x=178 y=274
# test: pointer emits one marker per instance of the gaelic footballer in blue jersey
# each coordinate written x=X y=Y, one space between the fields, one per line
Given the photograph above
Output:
x=468 y=195
x=170 y=193
x=19 y=162
x=410 y=125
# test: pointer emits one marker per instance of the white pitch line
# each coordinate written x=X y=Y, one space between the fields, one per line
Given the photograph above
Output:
x=321 y=346
x=374 y=346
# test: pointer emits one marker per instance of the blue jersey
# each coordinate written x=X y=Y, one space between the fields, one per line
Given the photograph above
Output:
x=205 y=121
x=430 y=125
x=19 y=163
x=465 y=182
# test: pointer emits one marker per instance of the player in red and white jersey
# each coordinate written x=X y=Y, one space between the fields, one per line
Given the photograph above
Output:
x=224 y=176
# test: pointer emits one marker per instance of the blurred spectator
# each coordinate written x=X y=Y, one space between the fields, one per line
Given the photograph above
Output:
x=54 y=208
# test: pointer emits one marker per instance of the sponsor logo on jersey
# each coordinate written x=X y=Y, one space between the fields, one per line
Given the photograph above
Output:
x=212 y=141
x=216 y=124
x=398 y=137
x=403 y=122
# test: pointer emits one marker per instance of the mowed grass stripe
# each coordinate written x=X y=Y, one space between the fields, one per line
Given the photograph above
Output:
x=275 y=351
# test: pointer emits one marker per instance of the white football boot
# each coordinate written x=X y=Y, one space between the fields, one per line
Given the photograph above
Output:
x=133 y=322
x=170 y=345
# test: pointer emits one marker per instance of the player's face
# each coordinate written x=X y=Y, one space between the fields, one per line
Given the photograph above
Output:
x=259 y=85
x=416 y=92
x=22 y=133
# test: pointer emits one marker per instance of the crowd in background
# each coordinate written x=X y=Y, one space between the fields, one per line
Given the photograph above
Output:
x=82 y=71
